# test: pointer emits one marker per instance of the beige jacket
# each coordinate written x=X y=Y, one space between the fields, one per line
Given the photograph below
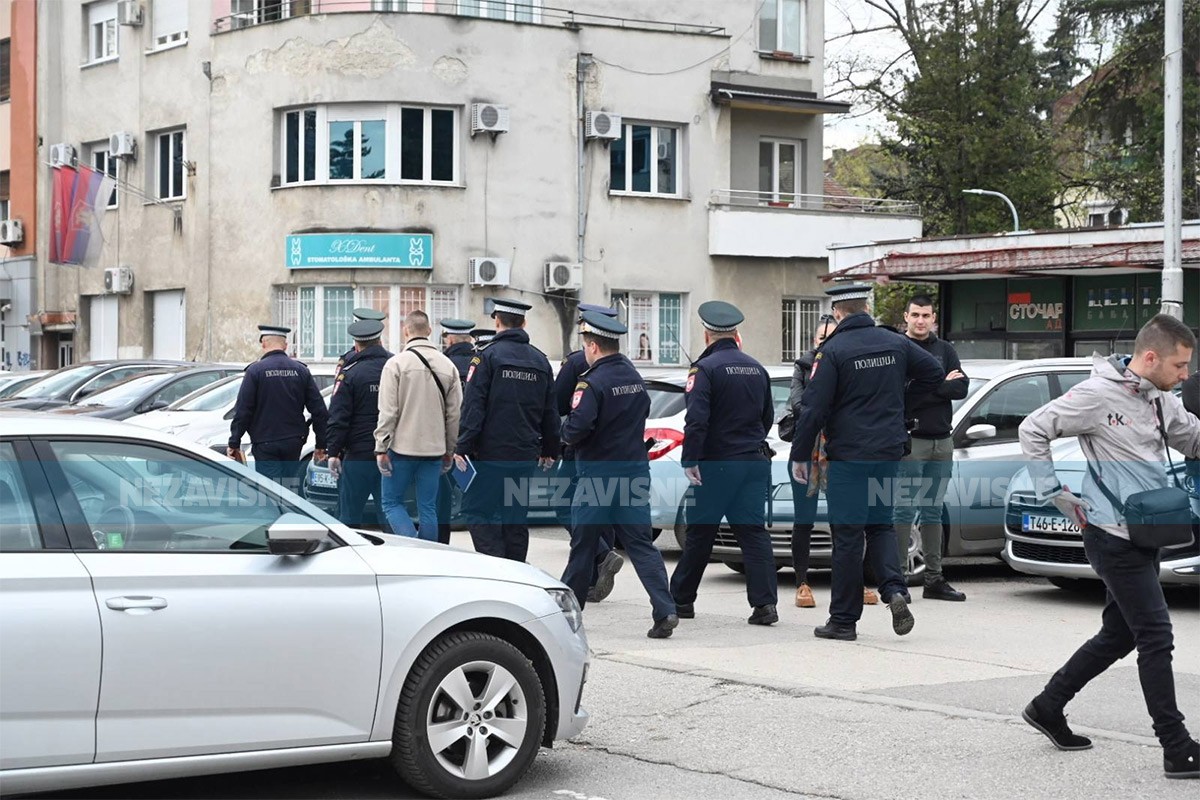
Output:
x=413 y=420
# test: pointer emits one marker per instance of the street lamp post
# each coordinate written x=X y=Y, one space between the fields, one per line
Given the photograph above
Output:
x=1004 y=197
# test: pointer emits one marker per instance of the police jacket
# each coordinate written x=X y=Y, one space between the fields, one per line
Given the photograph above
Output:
x=573 y=366
x=932 y=410
x=461 y=354
x=270 y=404
x=607 y=421
x=729 y=408
x=856 y=392
x=508 y=411
x=354 y=408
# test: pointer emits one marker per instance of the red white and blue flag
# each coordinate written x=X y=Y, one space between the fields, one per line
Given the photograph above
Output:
x=79 y=199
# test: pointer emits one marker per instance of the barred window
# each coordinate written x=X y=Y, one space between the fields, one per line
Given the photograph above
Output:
x=800 y=317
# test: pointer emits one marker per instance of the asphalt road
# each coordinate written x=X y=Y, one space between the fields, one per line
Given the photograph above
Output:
x=728 y=710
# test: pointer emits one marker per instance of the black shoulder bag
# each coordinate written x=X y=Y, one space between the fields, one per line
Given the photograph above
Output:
x=1159 y=517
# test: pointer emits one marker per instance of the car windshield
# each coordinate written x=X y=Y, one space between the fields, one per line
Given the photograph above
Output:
x=974 y=386
x=211 y=398
x=666 y=399
x=11 y=388
x=123 y=393
x=60 y=382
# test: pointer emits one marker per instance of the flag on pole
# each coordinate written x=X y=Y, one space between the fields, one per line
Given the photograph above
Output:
x=78 y=203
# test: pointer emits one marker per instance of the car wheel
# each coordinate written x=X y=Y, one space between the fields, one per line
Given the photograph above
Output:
x=914 y=568
x=681 y=523
x=1077 y=584
x=470 y=718
x=736 y=566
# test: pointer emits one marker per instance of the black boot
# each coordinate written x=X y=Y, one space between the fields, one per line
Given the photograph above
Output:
x=663 y=627
x=835 y=630
x=685 y=610
x=940 y=589
x=1053 y=723
x=763 y=615
x=1184 y=762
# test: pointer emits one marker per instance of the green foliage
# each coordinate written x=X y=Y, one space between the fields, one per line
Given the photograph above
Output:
x=891 y=300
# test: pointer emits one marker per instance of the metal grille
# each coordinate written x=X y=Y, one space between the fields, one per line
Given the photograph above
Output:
x=788 y=312
x=306 y=333
x=801 y=315
x=379 y=299
x=670 y=317
x=443 y=304
x=1049 y=554
x=337 y=315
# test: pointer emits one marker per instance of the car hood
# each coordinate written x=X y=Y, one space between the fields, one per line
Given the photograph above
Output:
x=32 y=404
x=192 y=425
x=400 y=555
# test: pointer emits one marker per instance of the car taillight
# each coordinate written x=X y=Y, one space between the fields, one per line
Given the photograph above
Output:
x=665 y=440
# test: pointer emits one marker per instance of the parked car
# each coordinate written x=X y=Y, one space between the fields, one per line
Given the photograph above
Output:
x=68 y=384
x=1039 y=540
x=143 y=393
x=178 y=614
x=13 y=382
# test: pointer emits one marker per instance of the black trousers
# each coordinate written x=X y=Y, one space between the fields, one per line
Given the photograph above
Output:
x=566 y=479
x=445 y=489
x=1135 y=615
x=360 y=480
x=497 y=509
x=280 y=461
x=804 y=516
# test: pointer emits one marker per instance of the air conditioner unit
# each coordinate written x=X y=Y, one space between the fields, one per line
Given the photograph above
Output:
x=488 y=118
x=62 y=155
x=129 y=12
x=118 y=280
x=602 y=125
x=11 y=231
x=488 y=271
x=122 y=145
x=561 y=276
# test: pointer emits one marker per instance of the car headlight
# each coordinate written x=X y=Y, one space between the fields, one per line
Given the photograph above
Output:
x=570 y=607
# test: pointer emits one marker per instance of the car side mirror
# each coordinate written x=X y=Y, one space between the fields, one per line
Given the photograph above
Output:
x=295 y=535
x=977 y=432
x=152 y=405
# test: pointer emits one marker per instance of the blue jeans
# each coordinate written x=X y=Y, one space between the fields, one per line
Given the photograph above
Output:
x=425 y=471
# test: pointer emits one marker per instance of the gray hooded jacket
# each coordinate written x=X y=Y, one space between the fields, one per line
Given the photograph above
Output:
x=1112 y=413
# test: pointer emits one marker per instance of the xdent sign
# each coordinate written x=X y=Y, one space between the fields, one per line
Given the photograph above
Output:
x=359 y=251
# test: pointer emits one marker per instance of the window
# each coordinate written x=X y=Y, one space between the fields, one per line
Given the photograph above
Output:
x=800 y=317
x=185 y=386
x=101 y=30
x=170 y=161
x=512 y=10
x=780 y=165
x=357 y=148
x=781 y=26
x=300 y=146
x=1008 y=405
x=428 y=142
x=169 y=22
x=255 y=12
x=655 y=322
x=5 y=69
x=4 y=205
x=103 y=162
x=319 y=315
x=645 y=160
x=18 y=525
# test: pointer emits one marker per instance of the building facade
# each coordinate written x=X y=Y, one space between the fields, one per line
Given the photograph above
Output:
x=289 y=160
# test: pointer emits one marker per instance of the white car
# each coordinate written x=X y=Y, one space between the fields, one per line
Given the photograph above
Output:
x=168 y=612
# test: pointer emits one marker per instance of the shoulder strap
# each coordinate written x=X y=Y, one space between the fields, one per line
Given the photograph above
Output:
x=1162 y=431
x=436 y=379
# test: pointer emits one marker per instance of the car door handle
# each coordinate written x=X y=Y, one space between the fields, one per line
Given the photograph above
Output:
x=136 y=603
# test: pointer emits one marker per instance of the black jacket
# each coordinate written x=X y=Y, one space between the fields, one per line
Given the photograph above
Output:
x=729 y=408
x=932 y=410
x=271 y=402
x=1191 y=402
x=461 y=354
x=354 y=408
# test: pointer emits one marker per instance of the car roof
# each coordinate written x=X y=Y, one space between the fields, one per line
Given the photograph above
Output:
x=988 y=368
x=31 y=423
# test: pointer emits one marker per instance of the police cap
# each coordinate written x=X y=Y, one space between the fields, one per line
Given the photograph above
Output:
x=272 y=330
x=365 y=330
x=598 y=324
x=501 y=305
x=483 y=335
x=368 y=313
x=605 y=310
x=840 y=292
x=719 y=316
x=459 y=326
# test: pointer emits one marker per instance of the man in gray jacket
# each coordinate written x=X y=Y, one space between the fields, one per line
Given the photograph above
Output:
x=1115 y=414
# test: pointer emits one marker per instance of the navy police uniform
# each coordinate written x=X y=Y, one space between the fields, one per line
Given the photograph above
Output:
x=483 y=337
x=729 y=412
x=460 y=354
x=353 y=416
x=508 y=421
x=606 y=430
x=856 y=395
x=359 y=314
x=270 y=407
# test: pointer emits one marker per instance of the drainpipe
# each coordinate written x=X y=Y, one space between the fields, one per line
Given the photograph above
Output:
x=582 y=62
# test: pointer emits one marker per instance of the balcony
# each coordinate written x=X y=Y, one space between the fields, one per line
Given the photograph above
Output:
x=766 y=225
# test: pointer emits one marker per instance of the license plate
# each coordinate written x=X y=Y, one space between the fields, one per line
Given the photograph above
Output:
x=1036 y=523
x=323 y=479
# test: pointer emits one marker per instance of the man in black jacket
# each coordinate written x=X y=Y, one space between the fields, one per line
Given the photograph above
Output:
x=925 y=471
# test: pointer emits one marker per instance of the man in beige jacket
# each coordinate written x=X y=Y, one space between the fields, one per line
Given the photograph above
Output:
x=420 y=398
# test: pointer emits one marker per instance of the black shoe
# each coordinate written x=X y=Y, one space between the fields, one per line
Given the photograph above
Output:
x=834 y=630
x=763 y=615
x=609 y=567
x=685 y=610
x=1183 y=763
x=902 y=618
x=1054 y=725
x=662 y=629
x=940 y=589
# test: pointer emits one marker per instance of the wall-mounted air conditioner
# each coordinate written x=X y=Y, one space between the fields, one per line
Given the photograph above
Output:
x=118 y=280
x=11 y=231
x=561 y=276
x=62 y=155
x=122 y=145
x=488 y=118
x=488 y=271
x=129 y=12
x=602 y=125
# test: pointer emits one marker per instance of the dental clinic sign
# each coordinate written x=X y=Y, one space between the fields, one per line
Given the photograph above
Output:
x=359 y=251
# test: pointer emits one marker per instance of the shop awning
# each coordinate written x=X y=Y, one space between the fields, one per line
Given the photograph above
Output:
x=740 y=96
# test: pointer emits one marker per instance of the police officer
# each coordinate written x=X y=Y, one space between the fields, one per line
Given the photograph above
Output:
x=483 y=337
x=460 y=344
x=359 y=315
x=608 y=561
x=353 y=415
x=856 y=394
x=727 y=461
x=270 y=406
x=508 y=427
x=606 y=429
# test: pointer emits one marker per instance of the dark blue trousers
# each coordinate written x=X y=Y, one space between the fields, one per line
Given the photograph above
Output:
x=280 y=461
x=563 y=510
x=359 y=480
x=496 y=508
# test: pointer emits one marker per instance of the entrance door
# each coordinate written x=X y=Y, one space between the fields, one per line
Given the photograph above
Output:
x=169 y=325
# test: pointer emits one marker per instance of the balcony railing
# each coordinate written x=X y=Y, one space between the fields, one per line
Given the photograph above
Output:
x=746 y=199
x=265 y=12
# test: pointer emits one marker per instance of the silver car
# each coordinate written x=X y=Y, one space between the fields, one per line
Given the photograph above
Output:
x=168 y=612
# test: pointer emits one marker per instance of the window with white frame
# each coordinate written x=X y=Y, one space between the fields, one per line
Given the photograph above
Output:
x=320 y=315
x=781 y=27
x=655 y=321
x=255 y=12
x=646 y=160
x=102 y=161
x=4 y=201
x=511 y=10
x=101 y=30
x=800 y=318
x=780 y=170
x=380 y=142
x=170 y=165
x=168 y=22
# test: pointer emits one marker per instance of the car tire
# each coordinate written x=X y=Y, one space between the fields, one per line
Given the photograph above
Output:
x=1082 y=585
x=681 y=524
x=914 y=569
x=464 y=664
x=737 y=566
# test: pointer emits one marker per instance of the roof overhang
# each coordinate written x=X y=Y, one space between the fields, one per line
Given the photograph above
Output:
x=761 y=98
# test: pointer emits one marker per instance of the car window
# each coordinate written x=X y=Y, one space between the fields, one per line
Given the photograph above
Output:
x=60 y=381
x=141 y=497
x=214 y=398
x=15 y=386
x=1069 y=380
x=120 y=394
x=666 y=399
x=18 y=524
x=113 y=376
x=780 y=390
x=185 y=386
x=1008 y=405
x=973 y=386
